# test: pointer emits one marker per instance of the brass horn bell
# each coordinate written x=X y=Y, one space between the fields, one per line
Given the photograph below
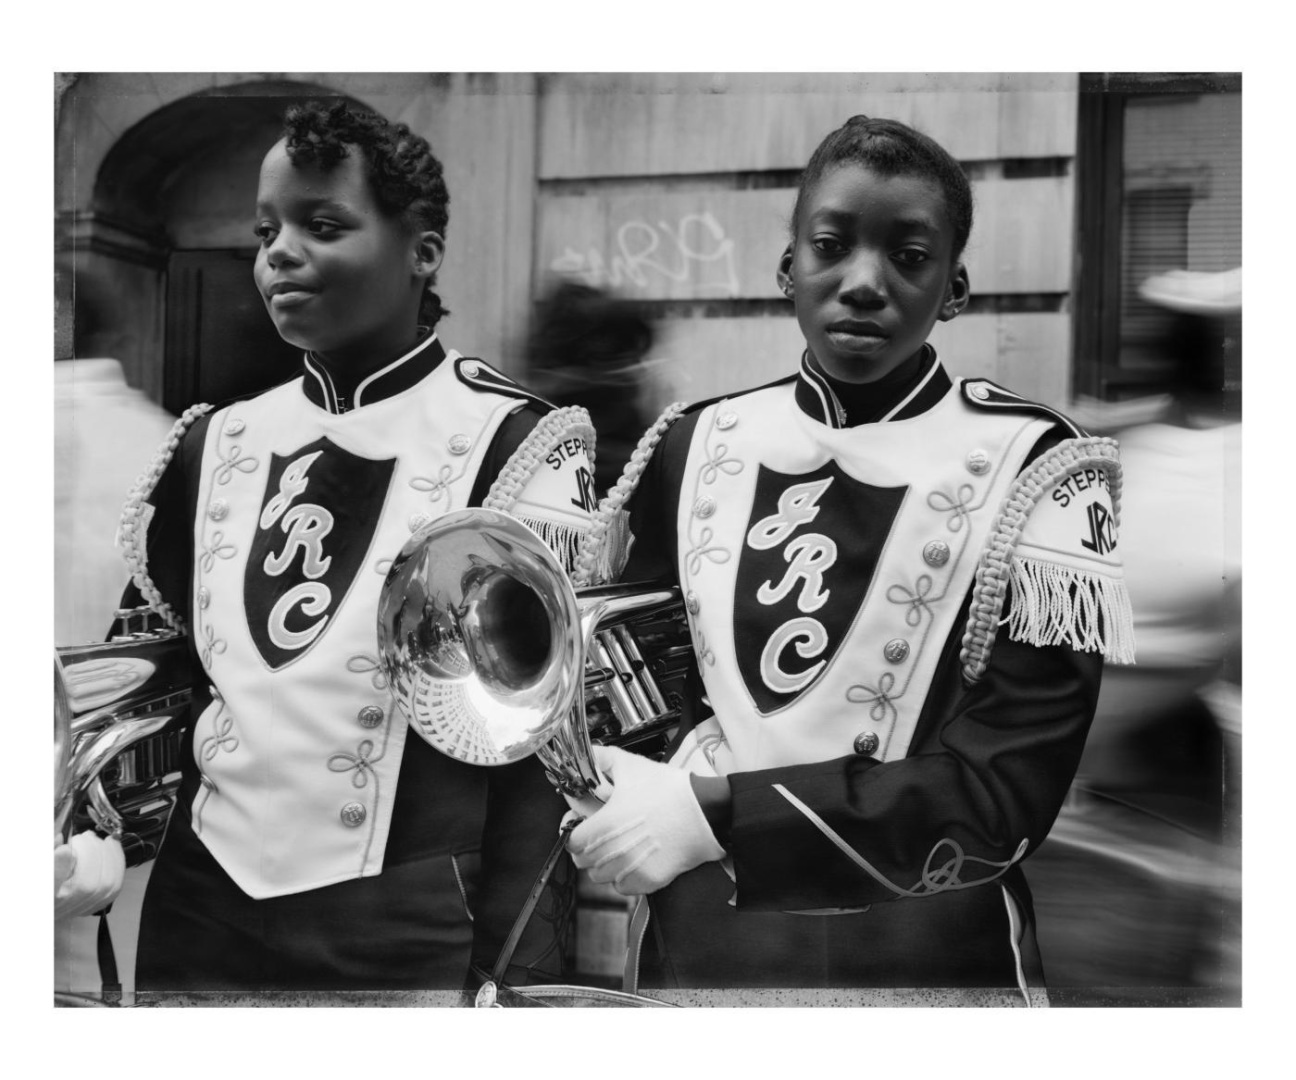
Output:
x=492 y=655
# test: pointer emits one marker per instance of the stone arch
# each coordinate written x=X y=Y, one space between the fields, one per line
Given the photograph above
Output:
x=163 y=233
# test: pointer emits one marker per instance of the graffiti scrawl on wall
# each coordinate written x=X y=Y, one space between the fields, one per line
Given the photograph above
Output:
x=694 y=251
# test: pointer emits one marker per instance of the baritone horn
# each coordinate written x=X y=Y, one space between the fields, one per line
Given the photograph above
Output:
x=492 y=655
x=116 y=740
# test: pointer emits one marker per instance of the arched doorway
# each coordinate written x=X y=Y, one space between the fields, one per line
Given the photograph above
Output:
x=169 y=282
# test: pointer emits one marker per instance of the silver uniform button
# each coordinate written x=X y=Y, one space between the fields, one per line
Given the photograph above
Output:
x=370 y=716
x=470 y=368
x=353 y=814
x=204 y=597
x=726 y=420
x=936 y=553
x=417 y=521
x=704 y=507
x=218 y=509
x=459 y=444
x=978 y=462
x=692 y=603
x=981 y=392
x=866 y=743
x=234 y=427
x=896 y=650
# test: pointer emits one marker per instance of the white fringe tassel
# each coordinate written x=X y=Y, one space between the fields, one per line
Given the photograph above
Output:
x=563 y=540
x=1056 y=605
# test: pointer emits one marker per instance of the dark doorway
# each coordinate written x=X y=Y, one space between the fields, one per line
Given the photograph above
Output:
x=176 y=193
x=220 y=343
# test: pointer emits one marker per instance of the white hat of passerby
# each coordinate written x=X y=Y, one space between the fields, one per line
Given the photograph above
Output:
x=1195 y=292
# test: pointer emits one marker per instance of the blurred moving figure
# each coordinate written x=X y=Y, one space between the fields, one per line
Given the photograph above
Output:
x=587 y=347
x=1156 y=798
x=104 y=432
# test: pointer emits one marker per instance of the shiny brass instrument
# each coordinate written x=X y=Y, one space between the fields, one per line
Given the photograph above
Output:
x=492 y=655
x=116 y=750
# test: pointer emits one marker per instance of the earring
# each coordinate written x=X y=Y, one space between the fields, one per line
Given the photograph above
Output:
x=787 y=289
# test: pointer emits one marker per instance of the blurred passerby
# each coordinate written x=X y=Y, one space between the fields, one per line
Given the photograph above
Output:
x=103 y=430
x=1152 y=825
x=586 y=348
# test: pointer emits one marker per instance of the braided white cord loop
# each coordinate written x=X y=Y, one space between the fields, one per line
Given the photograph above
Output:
x=991 y=583
x=134 y=546
x=594 y=563
x=567 y=422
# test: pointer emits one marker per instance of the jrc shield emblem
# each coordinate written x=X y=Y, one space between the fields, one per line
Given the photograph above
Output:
x=317 y=522
x=808 y=557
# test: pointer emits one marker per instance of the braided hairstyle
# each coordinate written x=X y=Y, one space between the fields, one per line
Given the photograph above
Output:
x=891 y=148
x=405 y=176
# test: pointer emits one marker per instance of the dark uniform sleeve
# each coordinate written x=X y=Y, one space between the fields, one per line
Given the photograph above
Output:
x=511 y=434
x=654 y=506
x=523 y=813
x=980 y=793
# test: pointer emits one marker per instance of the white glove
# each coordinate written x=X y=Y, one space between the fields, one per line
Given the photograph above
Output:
x=88 y=874
x=650 y=831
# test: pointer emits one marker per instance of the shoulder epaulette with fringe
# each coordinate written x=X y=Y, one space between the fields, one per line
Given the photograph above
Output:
x=1062 y=588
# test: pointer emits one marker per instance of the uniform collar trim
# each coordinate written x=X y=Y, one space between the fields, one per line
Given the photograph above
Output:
x=324 y=390
x=817 y=399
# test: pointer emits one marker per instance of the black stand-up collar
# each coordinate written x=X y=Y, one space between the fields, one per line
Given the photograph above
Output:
x=330 y=392
x=907 y=392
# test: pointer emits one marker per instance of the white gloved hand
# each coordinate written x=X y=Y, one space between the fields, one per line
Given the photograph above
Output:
x=88 y=874
x=650 y=831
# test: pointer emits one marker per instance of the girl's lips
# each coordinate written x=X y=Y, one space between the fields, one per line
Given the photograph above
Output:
x=853 y=340
x=290 y=298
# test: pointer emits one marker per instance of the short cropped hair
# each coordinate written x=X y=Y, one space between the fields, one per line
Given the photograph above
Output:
x=891 y=148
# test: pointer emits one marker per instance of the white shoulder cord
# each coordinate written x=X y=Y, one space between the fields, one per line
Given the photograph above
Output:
x=133 y=543
x=594 y=562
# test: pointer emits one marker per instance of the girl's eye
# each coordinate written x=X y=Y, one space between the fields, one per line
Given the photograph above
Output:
x=911 y=256
x=827 y=245
x=322 y=227
x=265 y=233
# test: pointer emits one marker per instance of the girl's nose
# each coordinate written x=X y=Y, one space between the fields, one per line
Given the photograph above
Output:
x=283 y=250
x=863 y=281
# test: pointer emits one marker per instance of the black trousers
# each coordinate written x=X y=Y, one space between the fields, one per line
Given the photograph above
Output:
x=404 y=929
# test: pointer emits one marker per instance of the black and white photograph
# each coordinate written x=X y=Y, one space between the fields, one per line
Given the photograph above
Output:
x=647 y=539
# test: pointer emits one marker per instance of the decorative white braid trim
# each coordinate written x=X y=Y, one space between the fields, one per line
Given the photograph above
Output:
x=134 y=545
x=604 y=550
x=571 y=421
x=997 y=568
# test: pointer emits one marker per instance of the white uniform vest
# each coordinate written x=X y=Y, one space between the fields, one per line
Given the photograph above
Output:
x=949 y=469
x=299 y=763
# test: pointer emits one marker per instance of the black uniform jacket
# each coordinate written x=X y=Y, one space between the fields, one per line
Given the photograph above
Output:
x=989 y=765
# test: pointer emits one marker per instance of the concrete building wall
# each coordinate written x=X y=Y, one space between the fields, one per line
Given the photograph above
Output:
x=673 y=189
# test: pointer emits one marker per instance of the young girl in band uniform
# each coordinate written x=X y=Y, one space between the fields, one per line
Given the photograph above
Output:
x=316 y=844
x=901 y=587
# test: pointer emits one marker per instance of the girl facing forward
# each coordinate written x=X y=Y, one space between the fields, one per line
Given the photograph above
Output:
x=901 y=588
